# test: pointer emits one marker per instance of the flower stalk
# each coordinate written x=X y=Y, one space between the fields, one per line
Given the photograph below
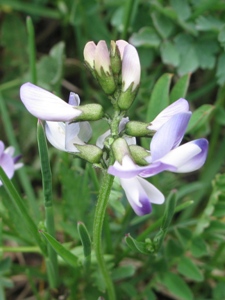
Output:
x=103 y=197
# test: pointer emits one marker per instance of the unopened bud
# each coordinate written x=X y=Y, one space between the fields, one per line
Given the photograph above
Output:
x=135 y=128
x=90 y=112
x=120 y=149
x=138 y=155
x=115 y=58
x=90 y=153
x=131 y=73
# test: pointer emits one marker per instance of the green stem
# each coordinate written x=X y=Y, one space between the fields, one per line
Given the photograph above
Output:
x=52 y=263
x=130 y=9
x=97 y=232
x=32 y=50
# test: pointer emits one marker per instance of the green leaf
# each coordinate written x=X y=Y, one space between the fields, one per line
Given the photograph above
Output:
x=189 y=269
x=159 y=97
x=200 y=117
x=185 y=45
x=70 y=258
x=206 y=49
x=198 y=247
x=182 y=9
x=123 y=272
x=146 y=36
x=206 y=23
x=170 y=54
x=85 y=238
x=179 y=90
x=162 y=24
x=177 y=286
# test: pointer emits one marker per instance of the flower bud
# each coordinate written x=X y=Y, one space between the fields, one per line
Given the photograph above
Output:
x=103 y=68
x=90 y=153
x=90 y=112
x=131 y=72
x=135 y=128
x=120 y=149
x=138 y=155
x=89 y=54
x=115 y=58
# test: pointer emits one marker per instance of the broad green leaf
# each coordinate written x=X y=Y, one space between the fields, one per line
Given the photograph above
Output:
x=185 y=45
x=189 y=62
x=159 y=97
x=146 y=36
x=204 y=23
x=206 y=50
x=61 y=250
x=189 y=269
x=123 y=272
x=198 y=247
x=170 y=54
x=182 y=8
x=177 y=286
x=180 y=88
x=200 y=117
x=162 y=24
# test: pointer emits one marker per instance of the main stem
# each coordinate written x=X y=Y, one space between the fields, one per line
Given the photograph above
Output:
x=104 y=193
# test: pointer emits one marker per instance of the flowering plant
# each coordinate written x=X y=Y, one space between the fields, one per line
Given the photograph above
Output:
x=117 y=152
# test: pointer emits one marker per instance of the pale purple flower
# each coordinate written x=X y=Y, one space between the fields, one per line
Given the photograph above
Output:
x=165 y=154
x=50 y=108
x=7 y=162
x=45 y=105
x=64 y=135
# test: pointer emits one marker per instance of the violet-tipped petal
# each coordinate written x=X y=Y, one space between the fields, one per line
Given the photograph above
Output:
x=140 y=194
x=188 y=157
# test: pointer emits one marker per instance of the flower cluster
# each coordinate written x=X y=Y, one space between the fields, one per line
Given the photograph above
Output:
x=165 y=154
x=7 y=162
x=67 y=126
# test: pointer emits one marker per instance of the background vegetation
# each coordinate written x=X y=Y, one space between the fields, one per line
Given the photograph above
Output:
x=181 y=47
